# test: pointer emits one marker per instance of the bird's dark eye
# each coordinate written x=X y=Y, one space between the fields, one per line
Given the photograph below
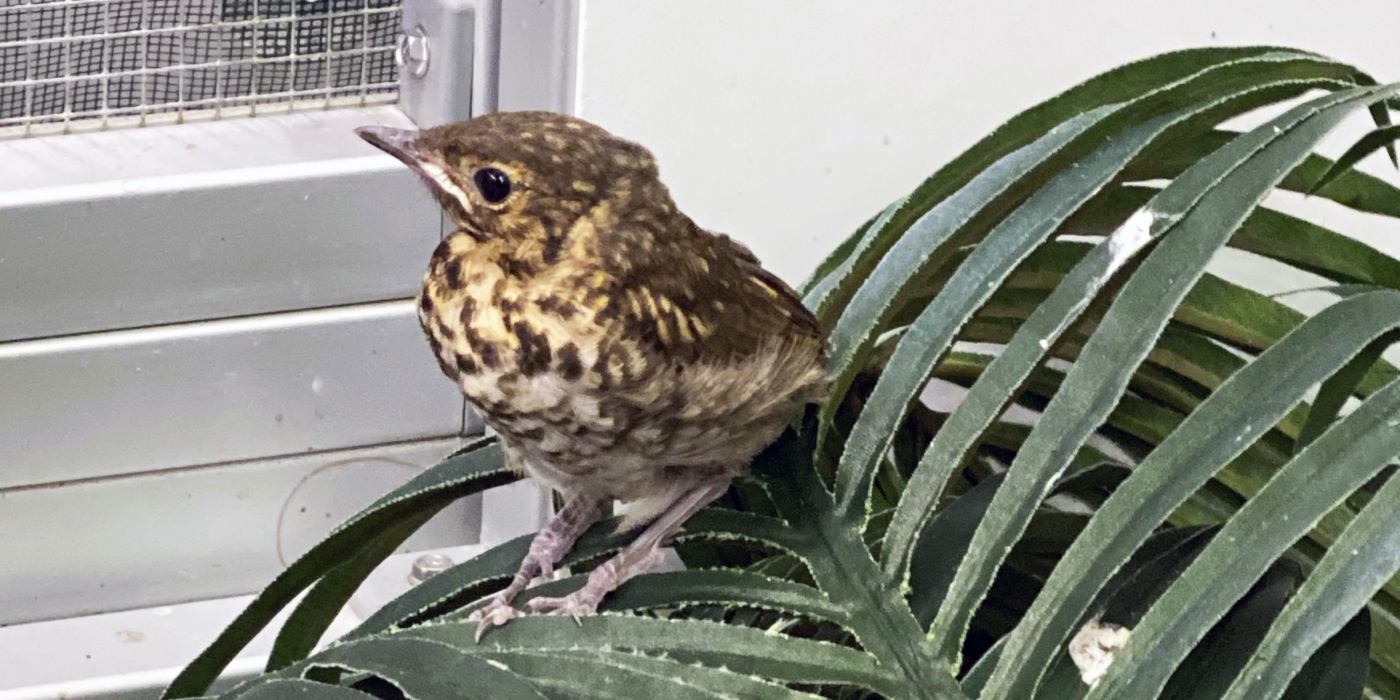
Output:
x=493 y=184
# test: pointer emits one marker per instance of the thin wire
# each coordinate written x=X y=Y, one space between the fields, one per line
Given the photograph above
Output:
x=145 y=56
x=106 y=82
x=68 y=65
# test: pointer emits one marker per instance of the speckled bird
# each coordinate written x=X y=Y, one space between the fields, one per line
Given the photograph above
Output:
x=620 y=351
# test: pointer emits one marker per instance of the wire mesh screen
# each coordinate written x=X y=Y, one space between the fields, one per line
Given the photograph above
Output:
x=70 y=64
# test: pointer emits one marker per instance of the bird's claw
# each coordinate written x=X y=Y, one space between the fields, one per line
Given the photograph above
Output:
x=494 y=614
x=574 y=605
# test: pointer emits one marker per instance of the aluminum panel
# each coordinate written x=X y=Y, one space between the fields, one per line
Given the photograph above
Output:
x=92 y=658
x=149 y=399
x=157 y=539
x=133 y=253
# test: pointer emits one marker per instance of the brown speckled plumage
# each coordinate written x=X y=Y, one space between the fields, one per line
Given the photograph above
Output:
x=621 y=351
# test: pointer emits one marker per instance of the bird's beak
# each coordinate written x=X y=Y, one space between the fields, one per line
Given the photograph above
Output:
x=399 y=143
x=403 y=144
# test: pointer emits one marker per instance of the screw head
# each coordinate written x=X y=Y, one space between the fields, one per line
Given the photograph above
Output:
x=411 y=53
x=428 y=566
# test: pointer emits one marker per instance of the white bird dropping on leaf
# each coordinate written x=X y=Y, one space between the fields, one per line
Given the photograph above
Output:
x=1093 y=647
x=1125 y=242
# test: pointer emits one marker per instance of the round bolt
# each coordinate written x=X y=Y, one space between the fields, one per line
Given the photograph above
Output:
x=412 y=52
x=428 y=566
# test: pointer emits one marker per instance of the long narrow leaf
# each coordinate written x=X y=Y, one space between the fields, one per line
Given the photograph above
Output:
x=920 y=248
x=1218 y=430
x=1353 y=188
x=298 y=689
x=1147 y=88
x=475 y=468
x=1139 y=81
x=1206 y=672
x=716 y=587
x=1367 y=554
x=943 y=545
x=1039 y=333
x=1383 y=137
x=930 y=336
x=913 y=255
x=1225 y=311
x=739 y=649
x=1304 y=490
x=1340 y=668
x=836 y=258
x=976 y=677
x=1233 y=314
x=1219 y=193
x=582 y=668
x=1272 y=234
x=314 y=614
x=427 y=669
x=1029 y=345
x=819 y=297
x=1332 y=397
x=603 y=677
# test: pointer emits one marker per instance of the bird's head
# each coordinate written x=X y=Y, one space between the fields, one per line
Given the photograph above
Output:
x=524 y=174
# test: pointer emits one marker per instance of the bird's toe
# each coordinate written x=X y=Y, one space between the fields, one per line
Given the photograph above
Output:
x=574 y=605
x=496 y=613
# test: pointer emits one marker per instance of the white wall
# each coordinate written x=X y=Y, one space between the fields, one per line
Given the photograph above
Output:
x=786 y=123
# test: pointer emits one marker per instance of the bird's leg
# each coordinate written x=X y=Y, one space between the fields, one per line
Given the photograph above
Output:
x=641 y=556
x=549 y=546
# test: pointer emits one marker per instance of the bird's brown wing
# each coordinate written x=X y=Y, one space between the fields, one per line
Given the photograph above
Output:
x=706 y=297
x=708 y=354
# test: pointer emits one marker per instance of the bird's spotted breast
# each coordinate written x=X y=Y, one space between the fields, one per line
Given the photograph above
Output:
x=452 y=274
x=570 y=366
x=532 y=354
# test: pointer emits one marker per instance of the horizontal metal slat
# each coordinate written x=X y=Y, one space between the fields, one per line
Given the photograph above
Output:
x=133 y=401
x=125 y=254
x=157 y=539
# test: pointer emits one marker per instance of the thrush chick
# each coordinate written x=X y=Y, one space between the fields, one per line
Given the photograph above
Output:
x=619 y=350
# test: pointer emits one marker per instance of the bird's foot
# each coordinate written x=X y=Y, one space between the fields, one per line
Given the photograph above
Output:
x=494 y=614
x=576 y=605
x=601 y=581
x=548 y=546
